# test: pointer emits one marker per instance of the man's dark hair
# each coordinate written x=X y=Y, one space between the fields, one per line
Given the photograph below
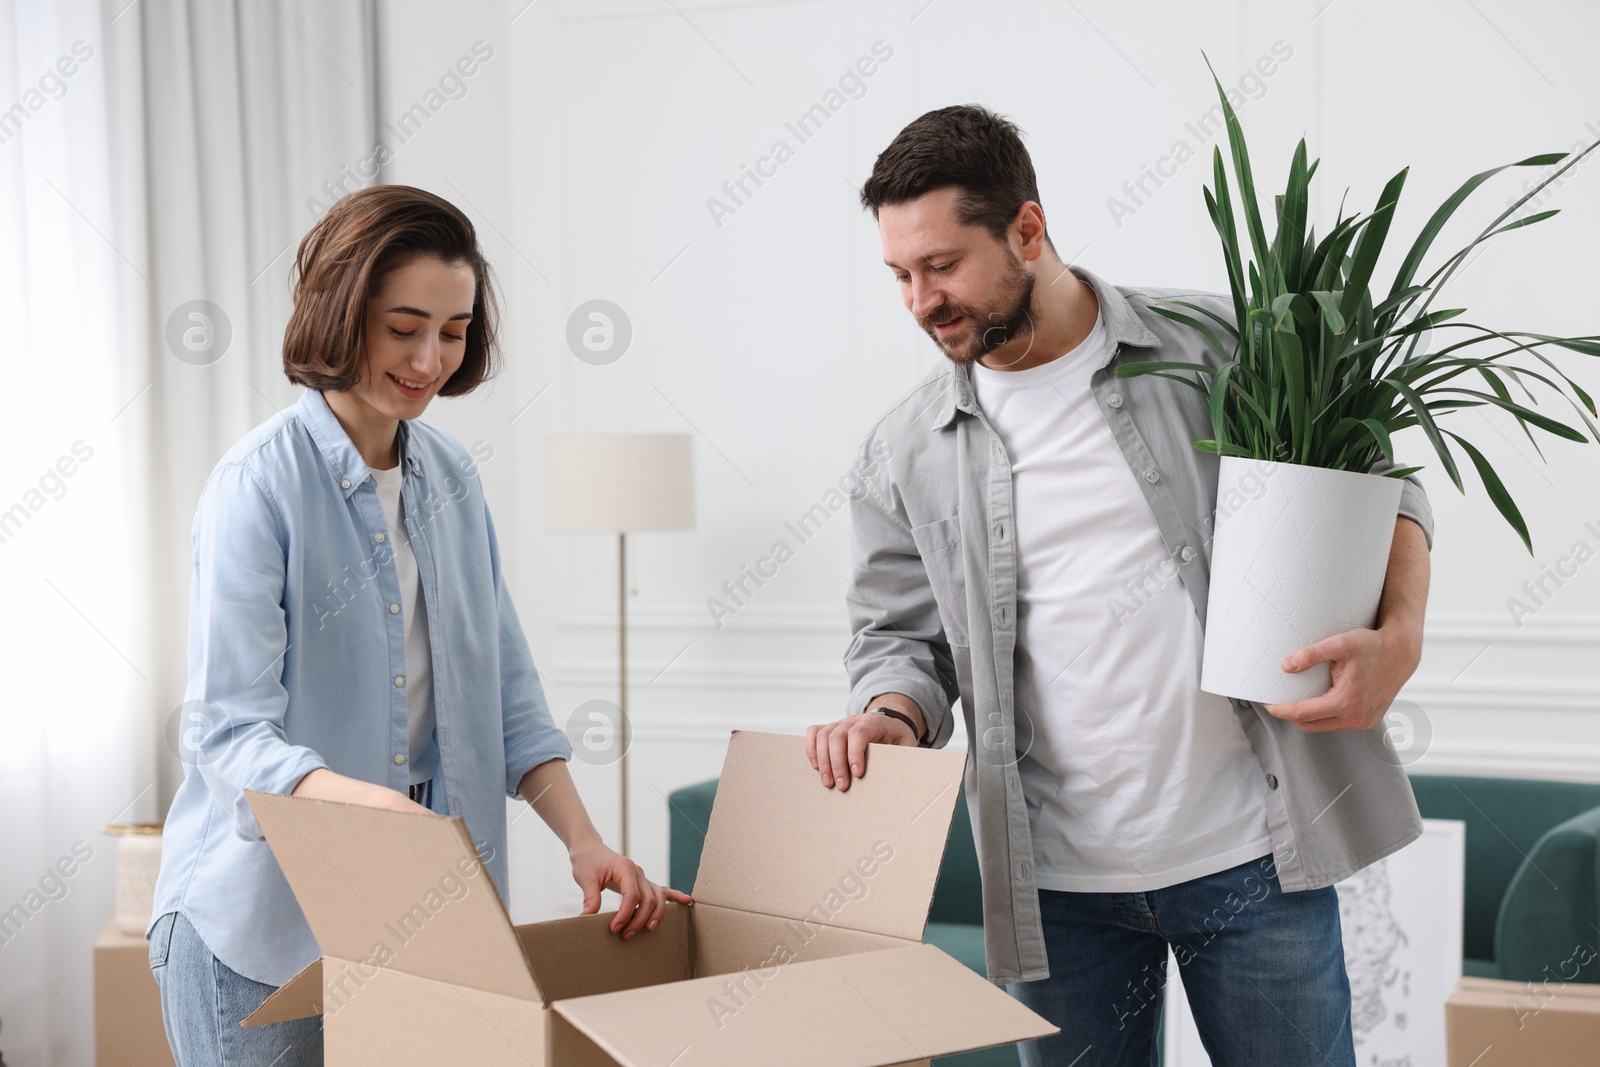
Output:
x=966 y=146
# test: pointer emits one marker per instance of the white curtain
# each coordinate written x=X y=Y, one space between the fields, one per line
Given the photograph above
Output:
x=153 y=154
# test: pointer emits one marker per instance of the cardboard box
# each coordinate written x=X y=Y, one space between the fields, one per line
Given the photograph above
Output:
x=803 y=945
x=127 y=1003
x=1491 y=1023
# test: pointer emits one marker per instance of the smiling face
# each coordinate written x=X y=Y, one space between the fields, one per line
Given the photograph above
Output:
x=971 y=293
x=416 y=333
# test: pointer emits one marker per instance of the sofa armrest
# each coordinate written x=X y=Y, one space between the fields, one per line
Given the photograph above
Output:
x=688 y=816
x=1548 y=929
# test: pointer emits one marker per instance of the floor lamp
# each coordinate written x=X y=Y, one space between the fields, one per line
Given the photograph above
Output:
x=620 y=484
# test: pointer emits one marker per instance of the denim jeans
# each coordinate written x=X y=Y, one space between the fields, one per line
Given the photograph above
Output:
x=1263 y=971
x=203 y=1002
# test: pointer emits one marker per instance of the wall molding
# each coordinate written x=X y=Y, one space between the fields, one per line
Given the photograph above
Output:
x=1509 y=694
x=1463 y=627
x=758 y=675
x=1496 y=760
x=677 y=617
x=1441 y=628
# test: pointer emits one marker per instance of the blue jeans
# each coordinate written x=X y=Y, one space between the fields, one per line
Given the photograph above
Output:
x=203 y=1001
x=1263 y=970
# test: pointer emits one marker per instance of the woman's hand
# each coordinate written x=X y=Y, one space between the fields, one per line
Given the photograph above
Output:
x=548 y=787
x=596 y=867
x=323 y=784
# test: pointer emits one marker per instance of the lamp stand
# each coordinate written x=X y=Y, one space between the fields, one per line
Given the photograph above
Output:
x=622 y=658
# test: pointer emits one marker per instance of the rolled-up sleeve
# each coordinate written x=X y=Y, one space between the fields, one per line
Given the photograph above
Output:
x=531 y=735
x=899 y=644
x=232 y=721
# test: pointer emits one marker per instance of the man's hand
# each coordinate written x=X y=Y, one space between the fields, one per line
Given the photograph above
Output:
x=1369 y=666
x=838 y=750
x=596 y=867
x=1368 y=669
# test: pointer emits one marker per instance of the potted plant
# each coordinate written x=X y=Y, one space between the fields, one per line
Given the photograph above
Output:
x=1317 y=374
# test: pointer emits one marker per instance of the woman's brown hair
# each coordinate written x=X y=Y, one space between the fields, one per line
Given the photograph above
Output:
x=342 y=263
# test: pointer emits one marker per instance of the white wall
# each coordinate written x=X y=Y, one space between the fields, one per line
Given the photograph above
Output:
x=589 y=144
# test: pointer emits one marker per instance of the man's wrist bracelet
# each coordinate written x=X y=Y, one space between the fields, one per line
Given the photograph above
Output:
x=922 y=741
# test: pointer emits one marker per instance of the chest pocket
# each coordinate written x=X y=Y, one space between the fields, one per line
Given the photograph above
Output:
x=939 y=545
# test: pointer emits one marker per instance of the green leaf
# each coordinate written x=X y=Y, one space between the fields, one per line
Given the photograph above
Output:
x=1454 y=262
x=1425 y=419
x=1371 y=243
x=1397 y=299
x=1425 y=239
x=1544 y=422
x=1208 y=445
x=1247 y=186
x=1217 y=398
x=1497 y=490
x=1198 y=327
x=1589 y=346
x=1281 y=311
x=1529 y=221
x=1331 y=314
x=1133 y=370
x=1229 y=328
x=1192 y=383
x=1222 y=216
x=1380 y=435
x=1291 y=240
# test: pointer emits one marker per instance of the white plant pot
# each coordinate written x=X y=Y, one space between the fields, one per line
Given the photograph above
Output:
x=1300 y=554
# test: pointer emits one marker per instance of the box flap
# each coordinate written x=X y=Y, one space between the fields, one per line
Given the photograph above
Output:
x=1520 y=1000
x=865 y=859
x=867 y=1009
x=395 y=889
x=298 y=998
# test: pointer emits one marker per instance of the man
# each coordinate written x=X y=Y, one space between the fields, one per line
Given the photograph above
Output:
x=1018 y=551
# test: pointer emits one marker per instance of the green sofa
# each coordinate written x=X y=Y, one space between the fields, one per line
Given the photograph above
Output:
x=1532 y=885
x=1533 y=874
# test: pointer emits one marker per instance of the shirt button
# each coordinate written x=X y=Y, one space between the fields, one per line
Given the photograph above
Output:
x=399 y=680
x=367 y=479
x=1152 y=475
x=1115 y=400
x=379 y=537
x=1272 y=781
x=1186 y=553
x=394 y=609
x=399 y=760
x=345 y=484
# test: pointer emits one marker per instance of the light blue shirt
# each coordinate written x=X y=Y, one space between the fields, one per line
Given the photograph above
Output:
x=297 y=661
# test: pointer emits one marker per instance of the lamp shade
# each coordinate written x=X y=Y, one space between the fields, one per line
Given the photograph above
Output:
x=620 y=482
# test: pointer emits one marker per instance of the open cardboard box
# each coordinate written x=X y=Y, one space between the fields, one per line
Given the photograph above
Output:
x=803 y=945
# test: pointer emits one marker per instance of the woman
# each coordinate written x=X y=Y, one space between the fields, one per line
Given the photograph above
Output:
x=351 y=637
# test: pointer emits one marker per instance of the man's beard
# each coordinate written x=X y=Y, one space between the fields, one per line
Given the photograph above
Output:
x=1009 y=317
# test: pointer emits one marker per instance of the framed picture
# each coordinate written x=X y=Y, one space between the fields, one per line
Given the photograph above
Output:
x=1401 y=921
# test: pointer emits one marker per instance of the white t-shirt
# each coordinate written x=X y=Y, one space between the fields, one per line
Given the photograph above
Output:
x=413 y=610
x=1135 y=779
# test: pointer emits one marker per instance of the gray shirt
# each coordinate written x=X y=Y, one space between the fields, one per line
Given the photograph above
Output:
x=932 y=604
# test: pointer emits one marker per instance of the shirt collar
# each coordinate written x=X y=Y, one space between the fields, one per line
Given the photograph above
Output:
x=1122 y=324
x=344 y=462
